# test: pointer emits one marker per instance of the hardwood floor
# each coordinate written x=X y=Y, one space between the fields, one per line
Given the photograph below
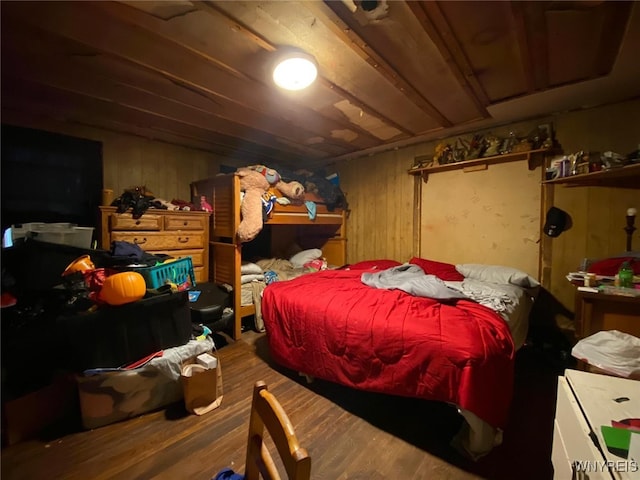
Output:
x=349 y=434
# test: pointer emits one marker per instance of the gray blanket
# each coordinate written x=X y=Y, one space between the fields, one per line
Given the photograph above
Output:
x=411 y=279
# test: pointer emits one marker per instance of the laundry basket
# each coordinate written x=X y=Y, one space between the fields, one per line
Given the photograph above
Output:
x=179 y=272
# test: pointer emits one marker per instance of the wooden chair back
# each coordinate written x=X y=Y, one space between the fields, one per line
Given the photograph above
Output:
x=267 y=413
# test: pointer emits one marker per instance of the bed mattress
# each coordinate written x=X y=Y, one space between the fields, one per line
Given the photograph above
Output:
x=332 y=326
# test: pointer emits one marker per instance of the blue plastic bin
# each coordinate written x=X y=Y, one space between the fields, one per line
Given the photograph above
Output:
x=178 y=272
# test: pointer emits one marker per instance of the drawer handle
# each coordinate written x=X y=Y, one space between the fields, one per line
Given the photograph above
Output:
x=140 y=242
x=183 y=239
x=137 y=222
x=185 y=223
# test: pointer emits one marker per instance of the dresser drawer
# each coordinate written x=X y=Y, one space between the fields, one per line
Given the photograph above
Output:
x=124 y=221
x=158 y=241
x=197 y=256
x=201 y=275
x=177 y=222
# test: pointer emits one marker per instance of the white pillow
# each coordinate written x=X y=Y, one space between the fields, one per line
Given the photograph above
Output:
x=497 y=274
x=300 y=258
x=248 y=267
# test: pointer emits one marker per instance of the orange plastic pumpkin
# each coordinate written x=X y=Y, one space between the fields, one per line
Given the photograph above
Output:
x=121 y=288
x=80 y=264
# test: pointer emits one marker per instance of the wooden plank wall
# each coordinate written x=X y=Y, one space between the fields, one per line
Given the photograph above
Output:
x=166 y=169
x=381 y=203
x=375 y=231
x=394 y=217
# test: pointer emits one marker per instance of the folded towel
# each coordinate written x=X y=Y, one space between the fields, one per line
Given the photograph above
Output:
x=251 y=277
x=311 y=208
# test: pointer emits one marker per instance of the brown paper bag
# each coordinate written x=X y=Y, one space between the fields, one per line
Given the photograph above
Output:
x=202 y=387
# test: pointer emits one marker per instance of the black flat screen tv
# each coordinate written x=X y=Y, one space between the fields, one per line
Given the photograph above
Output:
x=48 y=177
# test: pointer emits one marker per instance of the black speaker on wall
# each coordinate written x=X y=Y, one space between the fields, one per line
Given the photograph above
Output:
x=48 y=177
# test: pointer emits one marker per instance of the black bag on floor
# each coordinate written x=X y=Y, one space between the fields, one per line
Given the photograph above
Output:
x=208 y=309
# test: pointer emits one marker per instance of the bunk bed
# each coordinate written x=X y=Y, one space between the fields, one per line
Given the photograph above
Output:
x=285 y=225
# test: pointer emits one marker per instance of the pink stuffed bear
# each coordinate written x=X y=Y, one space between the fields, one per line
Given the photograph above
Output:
x=255 y=184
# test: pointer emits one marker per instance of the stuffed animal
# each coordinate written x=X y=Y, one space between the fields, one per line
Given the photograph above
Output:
x=292 y=190
x=204 y=205
x=255 y=182
x=254 y=185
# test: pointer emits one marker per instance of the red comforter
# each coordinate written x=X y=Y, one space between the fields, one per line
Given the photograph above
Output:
x=332 y=326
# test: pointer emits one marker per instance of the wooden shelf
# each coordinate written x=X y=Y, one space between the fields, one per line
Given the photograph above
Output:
x=481 y=163
x=621 y=177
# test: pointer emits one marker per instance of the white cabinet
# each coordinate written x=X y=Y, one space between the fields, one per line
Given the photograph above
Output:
x=585 y=402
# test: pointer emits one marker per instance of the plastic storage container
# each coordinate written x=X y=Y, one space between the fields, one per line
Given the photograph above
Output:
x=112 y=337
x=20 y=230
x=74 y=236
x=61 y=233
x=179 y=272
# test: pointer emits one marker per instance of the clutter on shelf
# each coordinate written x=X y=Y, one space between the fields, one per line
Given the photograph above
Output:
x=581 y=162
x=489 y=145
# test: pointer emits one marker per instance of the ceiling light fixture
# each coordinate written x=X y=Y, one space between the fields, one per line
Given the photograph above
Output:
x=295 y=71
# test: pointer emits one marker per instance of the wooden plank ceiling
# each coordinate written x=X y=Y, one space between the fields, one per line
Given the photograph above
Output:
x=198 y=73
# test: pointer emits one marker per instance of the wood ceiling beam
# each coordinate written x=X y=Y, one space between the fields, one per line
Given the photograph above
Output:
x=162 y=28
x=47 y=119
x=83 y=79
x=130 y=99
x=213 y=9
x=137 y=18
x=44 y=117
x=85 y=26
x=526 y=60
x=79 y=82
x=537 y=41
x=439 y=31
x=356 y=102
x=614 y=26
x=72 y=105
x=326 y=12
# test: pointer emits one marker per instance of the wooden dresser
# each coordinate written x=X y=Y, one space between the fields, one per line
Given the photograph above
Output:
x=176 y=233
